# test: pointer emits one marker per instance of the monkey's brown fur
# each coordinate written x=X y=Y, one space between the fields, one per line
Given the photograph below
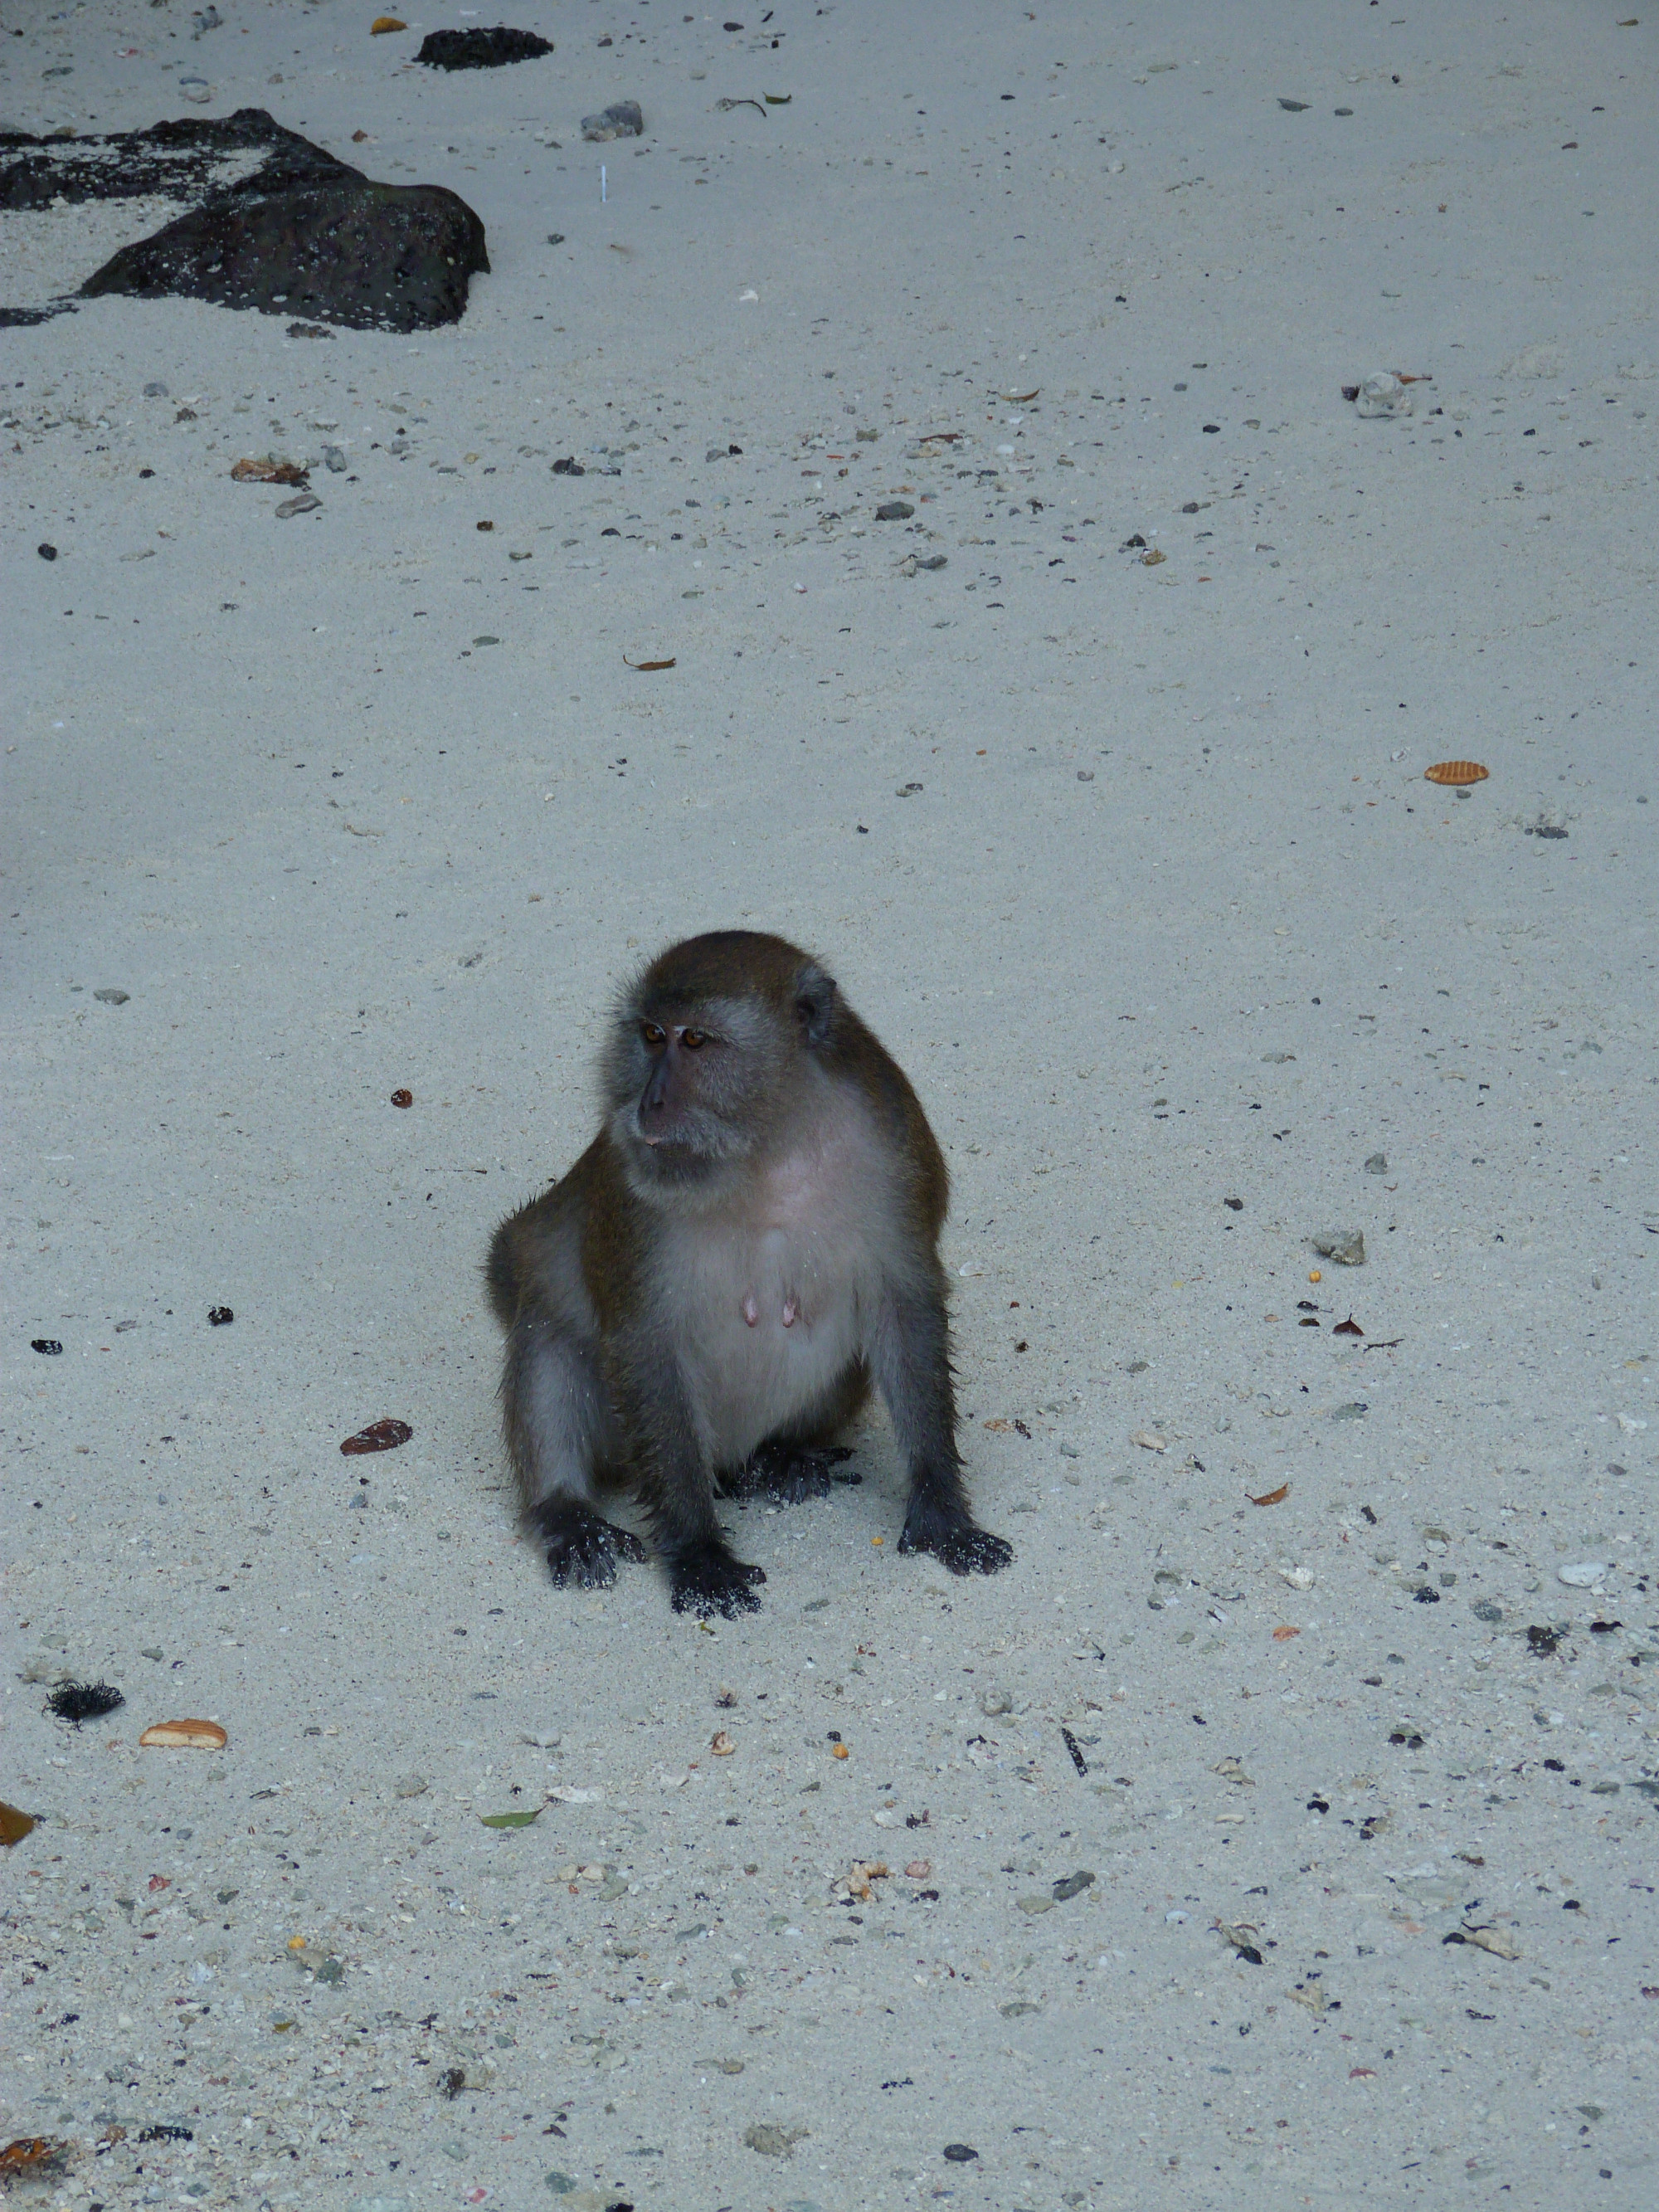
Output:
x=705 y=1298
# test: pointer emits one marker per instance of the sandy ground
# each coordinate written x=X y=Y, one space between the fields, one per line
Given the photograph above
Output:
x=372 y=800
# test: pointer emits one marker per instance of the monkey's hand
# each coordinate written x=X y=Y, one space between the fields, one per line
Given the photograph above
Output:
x=962 y=1545
x=582 y=1547
x=710 y=1580
x=791 y=1473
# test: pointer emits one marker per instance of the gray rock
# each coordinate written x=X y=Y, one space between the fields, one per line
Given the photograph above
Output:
x=773 y=2142
x=334 y=460
x=155 y=389
x=1277 y=1059
x=1377 y=1163
x=895 y=510
x=111 y=997
x=624 y=118
x=1345 y=1246
x=994 y=1702
x=412 y=1785
x=302 y=503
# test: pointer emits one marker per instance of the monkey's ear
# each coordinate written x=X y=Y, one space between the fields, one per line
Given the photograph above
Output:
x=815 y=1001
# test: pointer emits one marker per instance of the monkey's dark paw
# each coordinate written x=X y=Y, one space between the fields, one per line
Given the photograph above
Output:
x=713 y=1582
x=582 y=1547
x=962 y=1545
x=788 y=1474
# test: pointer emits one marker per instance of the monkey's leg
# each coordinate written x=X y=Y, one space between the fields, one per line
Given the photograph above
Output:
x=557 y=1421
x=911 y=1358
x=705 y=1575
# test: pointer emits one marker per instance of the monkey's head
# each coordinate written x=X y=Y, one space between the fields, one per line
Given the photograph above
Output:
x=709 y=1053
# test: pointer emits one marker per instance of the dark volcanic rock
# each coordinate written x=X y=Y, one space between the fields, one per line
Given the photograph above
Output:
x=454 y=50
x=278 y=224
x=373 y=256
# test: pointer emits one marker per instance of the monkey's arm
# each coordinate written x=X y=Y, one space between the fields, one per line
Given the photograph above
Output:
x=676 y=1484
x=910 y=1358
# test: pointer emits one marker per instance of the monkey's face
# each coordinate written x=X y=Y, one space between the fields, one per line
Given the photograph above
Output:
x=693 y=1086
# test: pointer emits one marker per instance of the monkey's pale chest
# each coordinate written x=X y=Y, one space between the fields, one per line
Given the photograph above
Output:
x=777 y=1305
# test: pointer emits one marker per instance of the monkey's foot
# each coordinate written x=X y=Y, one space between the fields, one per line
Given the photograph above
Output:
x=712 y=1580
x=962 y=1545
x=788 y=1474
x=582 y=1547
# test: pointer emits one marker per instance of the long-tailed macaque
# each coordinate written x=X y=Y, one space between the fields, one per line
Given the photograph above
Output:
x=704 y=1301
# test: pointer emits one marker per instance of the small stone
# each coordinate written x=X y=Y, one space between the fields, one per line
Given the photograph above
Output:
x=1382 y=396
x=624 y=118
x=895 y=510
x=1293 y=106
x=992 y=1703
x=411 y=1785
x=1277 y=1059
x=1355 y=1410
x=302 y=503
x=1584 y=1576
x=111 y=997
x=773 y=2142
x=220 y=1317
x=1072 y=1885
x=334 y=460
x=960 y=2153
x=1377 y=1163
x=47 y=552
x=1486 y=1610
x=1345 y=1246
x=1036 y=1904
x=309 y=330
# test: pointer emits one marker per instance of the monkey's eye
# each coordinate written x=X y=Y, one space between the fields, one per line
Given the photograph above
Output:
x=694 y=1040
x=653 y=1037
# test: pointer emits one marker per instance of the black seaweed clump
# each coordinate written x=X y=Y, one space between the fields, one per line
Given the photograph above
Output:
x=76 y=1702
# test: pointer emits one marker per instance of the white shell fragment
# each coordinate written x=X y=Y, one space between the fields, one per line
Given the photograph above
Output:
x=1584 y=1576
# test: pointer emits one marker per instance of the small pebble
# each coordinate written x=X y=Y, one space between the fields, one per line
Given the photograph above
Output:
x=1345 y=1246
x=1377 y=1163
x=624 y=118
x=111 y=997
x=895 y=510
x=47 y=552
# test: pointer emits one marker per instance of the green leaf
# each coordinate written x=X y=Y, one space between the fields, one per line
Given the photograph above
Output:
x=510 y=1820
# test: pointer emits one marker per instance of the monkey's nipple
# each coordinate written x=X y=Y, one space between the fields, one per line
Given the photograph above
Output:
x=751 y=1311
x=791 y=1312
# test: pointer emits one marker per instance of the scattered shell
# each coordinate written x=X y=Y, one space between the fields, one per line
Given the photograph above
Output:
x=184 y=1735
x=919 y=1870
x=265 y=468
x=721 y=1744
x=1459 y=771
x=378 y=1436
x=1148 y=1441
x=1584 y=1576
x=1299 y=1578
x=15 y=1825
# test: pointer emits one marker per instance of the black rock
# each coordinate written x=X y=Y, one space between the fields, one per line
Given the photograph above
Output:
x=491 y=49
x=301 y=234
x=47 y=552
x=895 y=510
